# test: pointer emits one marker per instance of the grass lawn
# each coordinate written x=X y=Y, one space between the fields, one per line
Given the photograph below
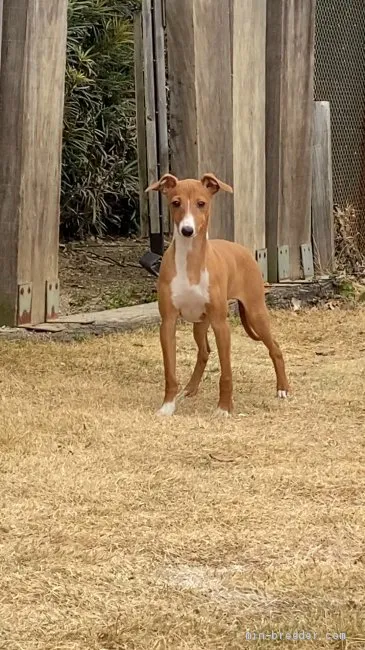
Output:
x=122 y=530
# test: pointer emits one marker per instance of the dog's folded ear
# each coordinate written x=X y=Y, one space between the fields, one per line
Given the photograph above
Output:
x=167 y=182
x=213 y=184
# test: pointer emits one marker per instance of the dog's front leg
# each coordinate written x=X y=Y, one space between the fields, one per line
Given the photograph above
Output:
x=168 y=345
x=223 y=338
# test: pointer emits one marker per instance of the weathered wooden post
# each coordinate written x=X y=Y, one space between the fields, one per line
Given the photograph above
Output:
x=216 y=61
x=32 y=77
x=200 y=81
x=152 y=133
x=248 y=44
x=322 y=189
x=141 y=124
x=289 y=105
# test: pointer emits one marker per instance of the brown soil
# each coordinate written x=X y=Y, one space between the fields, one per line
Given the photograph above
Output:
x=98 y=275
x=106 y=274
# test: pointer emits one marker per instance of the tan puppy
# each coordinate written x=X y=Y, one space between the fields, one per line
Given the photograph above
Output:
x=197 y=278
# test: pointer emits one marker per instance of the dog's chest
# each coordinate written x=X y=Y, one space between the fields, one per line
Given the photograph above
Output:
x=190 y=299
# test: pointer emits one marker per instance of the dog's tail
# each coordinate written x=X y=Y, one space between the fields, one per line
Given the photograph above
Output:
x=247 y=327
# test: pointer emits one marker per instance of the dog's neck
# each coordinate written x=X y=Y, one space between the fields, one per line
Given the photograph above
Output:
x=191 y=253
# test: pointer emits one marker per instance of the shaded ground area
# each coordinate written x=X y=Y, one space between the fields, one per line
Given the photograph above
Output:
x=106 y=274
x=121 y=530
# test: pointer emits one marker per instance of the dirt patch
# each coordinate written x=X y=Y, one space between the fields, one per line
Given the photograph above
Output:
x=99 y=275
x=124 y=531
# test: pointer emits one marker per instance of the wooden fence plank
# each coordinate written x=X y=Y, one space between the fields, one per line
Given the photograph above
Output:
x=161 y=101
x=289 y=104
x=1 y=22
x=181 y=79
x=201 y=97
x=141 y=125
x=150 y=108
x=322 y=190
x=213 y=93
x=31 y=83
x=274 y=64
x=207 y=133
x=249 y=39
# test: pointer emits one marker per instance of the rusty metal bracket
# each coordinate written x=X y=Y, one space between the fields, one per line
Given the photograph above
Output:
x=283 y=263
x=24 y=313
x=52 y=299
x=261 y=259
x=307 y=260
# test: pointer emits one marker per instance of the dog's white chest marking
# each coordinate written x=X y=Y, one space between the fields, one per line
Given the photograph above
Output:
x=189 y=299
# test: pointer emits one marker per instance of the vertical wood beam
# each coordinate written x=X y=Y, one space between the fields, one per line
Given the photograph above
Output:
x=322 y=189
x=32 y=78
x=141 y=125
x=150 y=108
x=249 y=42
x=161 y=102
x=200 y=80
x=181 y=79
x=213 y=90
x=289 y=104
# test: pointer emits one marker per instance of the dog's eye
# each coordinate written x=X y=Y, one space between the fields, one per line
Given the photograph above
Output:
x=176 y=203
x=201 y=204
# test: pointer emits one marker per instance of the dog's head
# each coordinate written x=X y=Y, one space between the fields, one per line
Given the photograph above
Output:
x=189 y=201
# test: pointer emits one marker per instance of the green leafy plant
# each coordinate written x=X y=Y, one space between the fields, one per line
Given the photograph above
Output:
x=99 y=191
x=346 y=288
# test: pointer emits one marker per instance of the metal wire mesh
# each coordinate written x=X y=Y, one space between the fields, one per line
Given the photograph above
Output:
x=339 y=78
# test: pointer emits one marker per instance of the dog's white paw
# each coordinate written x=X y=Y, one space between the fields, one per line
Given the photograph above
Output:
x=222 y=413
x=167 y=409
x=282 y=394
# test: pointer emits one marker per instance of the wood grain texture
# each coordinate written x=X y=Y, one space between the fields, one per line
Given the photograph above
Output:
x=31 y=112
x=201 y=97
x=274 y=64
x=213 y=82
x=181 y=80
x=141 y=125
x=289 y=103
x=322 y=189
x=10 y=161
x=150 y=108
x=281 y=296
x=1 y=22
x=161 y=103
x=249 y=39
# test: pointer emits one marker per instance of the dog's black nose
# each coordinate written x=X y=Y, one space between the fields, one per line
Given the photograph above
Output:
x=187 y=231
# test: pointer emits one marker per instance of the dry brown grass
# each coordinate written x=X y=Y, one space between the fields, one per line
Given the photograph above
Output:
x=349 y=240
x=121 y=530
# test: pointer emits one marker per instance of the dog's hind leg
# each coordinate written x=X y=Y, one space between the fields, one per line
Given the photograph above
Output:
x=200 y=332
x=257 y=325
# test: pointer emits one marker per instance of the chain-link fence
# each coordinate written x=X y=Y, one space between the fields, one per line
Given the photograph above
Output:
x=340 y=79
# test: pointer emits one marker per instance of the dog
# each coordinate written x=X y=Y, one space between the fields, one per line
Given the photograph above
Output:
x=197 y=278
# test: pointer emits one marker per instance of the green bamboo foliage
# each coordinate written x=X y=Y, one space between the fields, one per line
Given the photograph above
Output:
x=99 y=175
